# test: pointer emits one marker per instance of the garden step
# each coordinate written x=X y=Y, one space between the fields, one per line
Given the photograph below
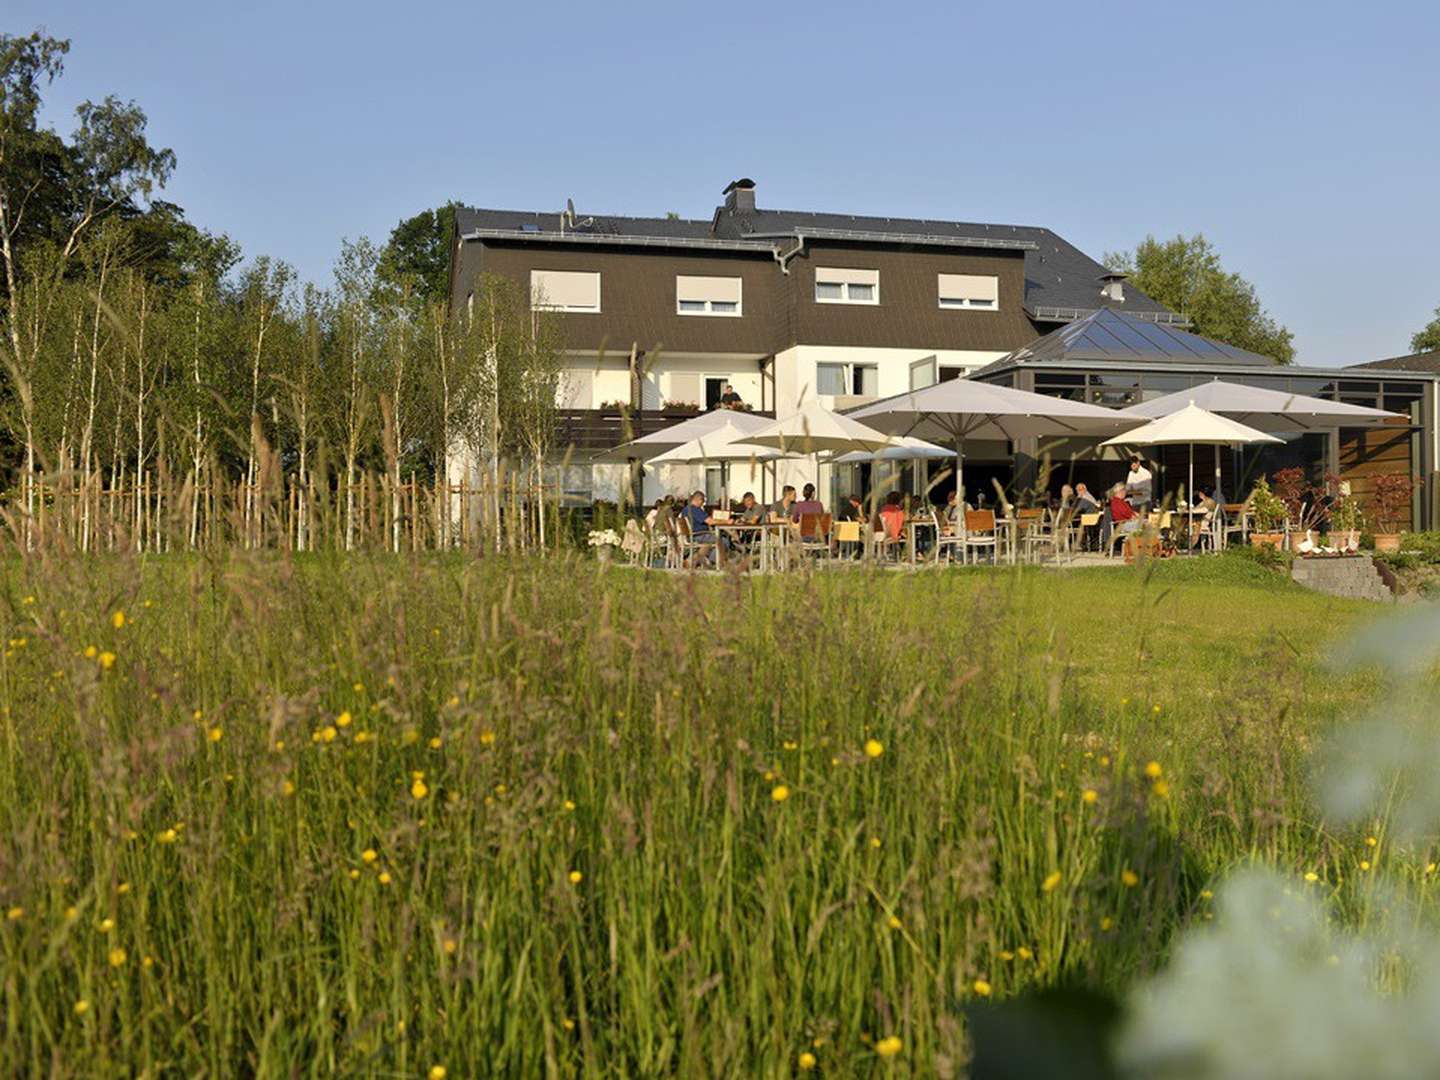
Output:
x=1352 y=578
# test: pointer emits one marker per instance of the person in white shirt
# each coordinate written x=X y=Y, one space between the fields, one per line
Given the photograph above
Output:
x=1138 y=484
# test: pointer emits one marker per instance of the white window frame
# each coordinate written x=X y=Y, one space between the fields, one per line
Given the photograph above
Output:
x=571 y=309
x=845 y=277
x=707 y=304
x=966 y=303
x=849 y=369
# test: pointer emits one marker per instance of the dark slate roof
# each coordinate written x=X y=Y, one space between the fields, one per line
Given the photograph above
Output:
x=1061 y=281
x=1425 y=361
x=1107 y=336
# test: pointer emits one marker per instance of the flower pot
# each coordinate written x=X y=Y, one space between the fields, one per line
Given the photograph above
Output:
x=1387 y=542
x=1267 y=539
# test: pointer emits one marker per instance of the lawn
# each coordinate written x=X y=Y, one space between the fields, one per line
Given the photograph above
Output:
x=378 y=816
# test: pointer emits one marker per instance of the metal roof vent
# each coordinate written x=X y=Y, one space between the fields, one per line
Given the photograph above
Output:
x=1113 y=286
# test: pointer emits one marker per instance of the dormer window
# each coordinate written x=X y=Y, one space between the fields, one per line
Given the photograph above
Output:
x=979 y=292
x=836 y=285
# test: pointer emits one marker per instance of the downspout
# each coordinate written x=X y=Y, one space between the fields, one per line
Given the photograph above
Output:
x=784 y=257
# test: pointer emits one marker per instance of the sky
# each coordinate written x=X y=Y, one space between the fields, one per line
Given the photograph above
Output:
x=1299 y=137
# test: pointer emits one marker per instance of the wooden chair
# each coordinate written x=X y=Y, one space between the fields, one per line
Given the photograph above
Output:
x=815 y=535
x=848 y=532
x=1238 y=521
x=980 y=533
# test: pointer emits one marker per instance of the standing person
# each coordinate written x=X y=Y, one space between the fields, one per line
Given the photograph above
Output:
x=808 y=504
x=729 y=399
x=1138 y=484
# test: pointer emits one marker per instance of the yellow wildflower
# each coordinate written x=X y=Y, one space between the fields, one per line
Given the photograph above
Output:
x=117 y=957
x=418 y=790
x=168 y=836
x=1370 y=841
x=806 y=1061
x=436 y=743
x=344 y=719
x=1160 y=788
x=1024 y=953
x=123 y=888
x=384 y=877
x=1153 y=770
x=363 y=737
x=450 y=945
x=1089 y=796
x=569 y=805
x=91 y=652
x=15 y=913
x=1129 y=878
x=982 y=988
x=147 y=962
x=1006 y=955
x=354 y=874
x=1364 y=864
x=1048 y=885
x=107 y=660
x=215 y=734
x=874 y=841
x=117 y=620
x=437 y=1072
x=82 y=1007
x=487 y=737
x=1310 y=875
x=894 y=922
x=873 y=749
x=288 y=787
x=889 y=1046
x=779 y=793
x=106 y=925
x=576 y=877
x=368 y=856
x=1106 y=923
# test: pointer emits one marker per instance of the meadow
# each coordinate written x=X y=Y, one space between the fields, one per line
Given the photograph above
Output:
x=376 y=815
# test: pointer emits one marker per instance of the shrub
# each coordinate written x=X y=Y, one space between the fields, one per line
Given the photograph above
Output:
x=1391 y=497
x=1269 y=511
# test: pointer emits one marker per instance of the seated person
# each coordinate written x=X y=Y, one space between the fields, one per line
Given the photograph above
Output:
x=1120 y=516
x=1085 y=503
x=808 y=504
x=750 y=510
x=892 y=517
x=852 y=508
x=780 y=508
x=698 y=518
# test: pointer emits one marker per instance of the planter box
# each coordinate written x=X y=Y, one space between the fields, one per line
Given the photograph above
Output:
x=1387 y=542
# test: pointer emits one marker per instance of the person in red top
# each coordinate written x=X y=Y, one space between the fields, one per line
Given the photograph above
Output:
x=1117 y=514
x=892 y=517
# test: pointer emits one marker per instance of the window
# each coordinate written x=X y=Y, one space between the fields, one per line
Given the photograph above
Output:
x=978 y=291
x=861 y=379
x=707 y=295
x=714 y=388
x=841 y=286
x=565 y=290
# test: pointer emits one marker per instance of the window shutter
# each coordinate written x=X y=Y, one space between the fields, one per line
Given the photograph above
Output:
x=725 y=290
x=565 y=290
x=984 y=288
x=685 y=387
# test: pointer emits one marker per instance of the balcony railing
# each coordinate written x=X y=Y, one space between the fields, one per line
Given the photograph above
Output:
x=601 y=429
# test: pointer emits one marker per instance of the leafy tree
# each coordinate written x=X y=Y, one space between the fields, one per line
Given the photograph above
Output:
x=1185 y=275
x=418 y=253
x=1427 y=339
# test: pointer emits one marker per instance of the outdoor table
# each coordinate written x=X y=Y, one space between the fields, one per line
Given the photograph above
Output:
x=770 y=532
x=911 y=527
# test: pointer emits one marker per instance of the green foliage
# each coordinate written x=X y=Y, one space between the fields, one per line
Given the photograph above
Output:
x=417 y=255
x=208 y=776
x=1427 y=338
x=1269 y=509
x=1185 y=275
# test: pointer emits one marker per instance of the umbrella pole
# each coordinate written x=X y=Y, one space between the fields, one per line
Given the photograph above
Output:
x=1190 y=502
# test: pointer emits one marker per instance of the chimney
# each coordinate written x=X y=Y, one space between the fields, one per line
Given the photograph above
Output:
x=740 y=196
x=1113 y=286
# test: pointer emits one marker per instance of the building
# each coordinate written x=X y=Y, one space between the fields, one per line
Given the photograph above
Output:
x=659 y=314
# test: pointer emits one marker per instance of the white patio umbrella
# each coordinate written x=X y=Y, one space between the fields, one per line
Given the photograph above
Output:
x=1192 y=425
x=965 y=409
x=719 y=447
x=1262 y=408
x=658 y=442
x=901 y=448
x=814 y=429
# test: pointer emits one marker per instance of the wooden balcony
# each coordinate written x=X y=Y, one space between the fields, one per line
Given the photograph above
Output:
x=600 y=429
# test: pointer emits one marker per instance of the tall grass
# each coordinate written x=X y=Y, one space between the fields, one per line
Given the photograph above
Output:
x=620 y=824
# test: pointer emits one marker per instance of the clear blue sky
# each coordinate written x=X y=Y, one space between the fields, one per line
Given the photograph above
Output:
x=1300 y=137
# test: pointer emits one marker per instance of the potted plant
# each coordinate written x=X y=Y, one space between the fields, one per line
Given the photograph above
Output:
x=1345 y=519
x=1269 y=514
x=604 y=541
x=1391 y=495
